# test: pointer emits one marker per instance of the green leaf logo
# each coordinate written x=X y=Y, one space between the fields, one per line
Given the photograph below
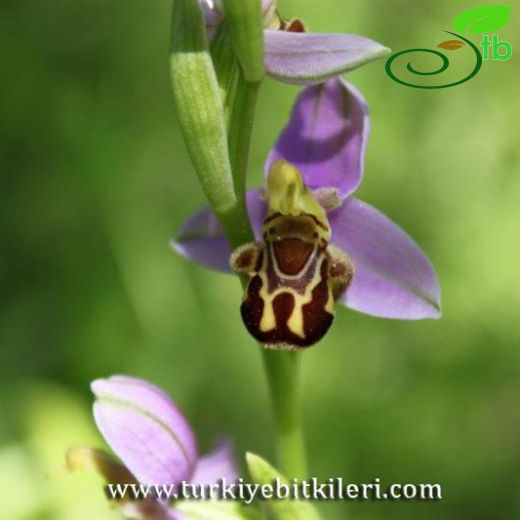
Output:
x=483 y=19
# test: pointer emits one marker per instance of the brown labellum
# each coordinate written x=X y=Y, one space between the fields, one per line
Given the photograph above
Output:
x=295 y=275
x=451 y=45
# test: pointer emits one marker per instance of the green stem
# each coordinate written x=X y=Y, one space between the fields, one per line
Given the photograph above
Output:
x=235 y=222
x=245 y=19
x=240 y=123
x=239 y=102
x=283 y=370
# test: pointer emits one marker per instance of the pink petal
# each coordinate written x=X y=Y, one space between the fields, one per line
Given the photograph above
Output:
x=202 y=240
x=212 y=16
x=393 y=277
x=303 y=58
x=216 y=465
x=145 y=429
x=326 y=137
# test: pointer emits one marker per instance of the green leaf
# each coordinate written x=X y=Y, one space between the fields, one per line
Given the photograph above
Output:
x=483 y=19
x=279 y=509
x=198 y=104
x=245 y=19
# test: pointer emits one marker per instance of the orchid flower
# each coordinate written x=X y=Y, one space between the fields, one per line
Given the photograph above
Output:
x=154 y=441
x=325 y=142
x=292 y=55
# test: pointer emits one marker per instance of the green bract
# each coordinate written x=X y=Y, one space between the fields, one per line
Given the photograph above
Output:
x=199 y=104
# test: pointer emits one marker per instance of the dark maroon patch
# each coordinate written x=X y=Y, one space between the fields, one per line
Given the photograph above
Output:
x=259 y=260
x=292 y=254
x=292 y=26
x=283 y=305
x=245 y=259
x=276 y=281
x=295 y=26
x=338 y=270
x=316 y=320
x=252 y=307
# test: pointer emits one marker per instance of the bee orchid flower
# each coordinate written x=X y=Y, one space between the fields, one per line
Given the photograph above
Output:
x=369 y=263
x=155 y=443
x=293 y=55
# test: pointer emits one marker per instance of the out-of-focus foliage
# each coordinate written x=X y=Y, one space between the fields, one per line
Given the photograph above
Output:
x=94 y=180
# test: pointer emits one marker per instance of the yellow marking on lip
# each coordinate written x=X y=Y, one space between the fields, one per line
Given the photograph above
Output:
x=268 y=321
x=295 y=322
x=329 y=306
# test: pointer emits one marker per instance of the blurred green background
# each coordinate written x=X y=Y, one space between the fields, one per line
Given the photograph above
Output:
x=94 y=182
